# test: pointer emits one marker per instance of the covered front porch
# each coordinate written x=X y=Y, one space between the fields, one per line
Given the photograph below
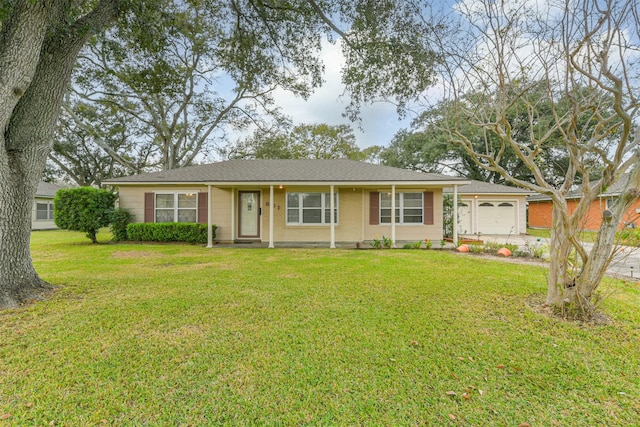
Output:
x=263 y=214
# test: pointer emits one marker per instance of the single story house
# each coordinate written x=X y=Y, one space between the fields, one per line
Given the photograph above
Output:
x=540 y=208
x=293 y=200
x=486 y=208
x=42 y=212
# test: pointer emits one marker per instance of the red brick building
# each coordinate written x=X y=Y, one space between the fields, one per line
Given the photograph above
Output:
x=539 y=209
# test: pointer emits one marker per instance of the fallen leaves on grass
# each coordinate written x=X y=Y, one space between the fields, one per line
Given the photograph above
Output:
x=5 y=416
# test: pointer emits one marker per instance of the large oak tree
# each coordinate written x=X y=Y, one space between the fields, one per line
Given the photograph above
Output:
x=305 y=141
x=40 y=41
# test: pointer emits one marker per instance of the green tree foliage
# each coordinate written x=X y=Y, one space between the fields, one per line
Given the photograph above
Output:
x=120 y=218
x=306 y=141
x=182 y=76
x=107 y=148
x=84 y=209
x=428 y=146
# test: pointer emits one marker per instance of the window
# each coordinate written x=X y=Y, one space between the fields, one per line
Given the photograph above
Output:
x=44 y=211
x=505 y=205
x=311 y=208
x=176 y=207
x=611 y=202
x=408 y=208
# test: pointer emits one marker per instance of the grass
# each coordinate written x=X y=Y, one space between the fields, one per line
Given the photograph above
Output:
x=627 y=237
x=585 y=236
x=183 y=335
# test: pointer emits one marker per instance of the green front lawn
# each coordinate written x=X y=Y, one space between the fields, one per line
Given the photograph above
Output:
x=585 y=236
x=184 y=335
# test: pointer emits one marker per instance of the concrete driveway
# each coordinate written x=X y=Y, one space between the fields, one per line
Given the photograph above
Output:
x=626 y=262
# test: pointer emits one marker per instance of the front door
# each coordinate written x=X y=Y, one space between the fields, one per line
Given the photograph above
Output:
x=249 y=214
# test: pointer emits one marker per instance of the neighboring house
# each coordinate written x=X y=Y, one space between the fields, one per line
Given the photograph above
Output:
x=540 y=208
x=290 y=200
x=491 y=209
x=42 y=212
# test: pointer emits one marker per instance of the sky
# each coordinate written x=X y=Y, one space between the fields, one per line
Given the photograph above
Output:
x=380 y=121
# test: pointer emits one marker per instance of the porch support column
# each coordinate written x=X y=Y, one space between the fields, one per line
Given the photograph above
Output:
x=209 y=218
x=455 y=215
x=233 y=215
x=332 y=206
x=393 y=215
x=271 y=217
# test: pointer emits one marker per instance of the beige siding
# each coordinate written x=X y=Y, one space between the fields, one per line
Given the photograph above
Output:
x=41 y=224
x=132 y=199
x=353 y=218
x=408 y=233
x=348 y=228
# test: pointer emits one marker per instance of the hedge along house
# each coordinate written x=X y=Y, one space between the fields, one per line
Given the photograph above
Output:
x=540 y=208
x=290 y=201
x=486 y=208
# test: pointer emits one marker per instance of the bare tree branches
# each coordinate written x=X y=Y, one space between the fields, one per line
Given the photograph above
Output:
x=585 y=55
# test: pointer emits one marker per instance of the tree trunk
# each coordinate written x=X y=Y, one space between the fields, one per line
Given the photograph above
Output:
x=560 y=251
x=573 y=286
x=27 y=118
x=19 y=281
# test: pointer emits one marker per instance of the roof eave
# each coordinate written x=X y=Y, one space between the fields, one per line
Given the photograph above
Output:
x=448 y=183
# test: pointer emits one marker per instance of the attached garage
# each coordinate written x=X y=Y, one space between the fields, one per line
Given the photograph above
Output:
x=497 y=217
x=464 y=217
x=491 y=209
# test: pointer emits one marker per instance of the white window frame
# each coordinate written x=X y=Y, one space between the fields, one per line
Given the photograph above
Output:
x=610 y=203
x=400 y=208
x=176 y=209
x=48 y=212
x=325 y=205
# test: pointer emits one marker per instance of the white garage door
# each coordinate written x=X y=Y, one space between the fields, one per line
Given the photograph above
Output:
x=497 y=217
x=464 y=218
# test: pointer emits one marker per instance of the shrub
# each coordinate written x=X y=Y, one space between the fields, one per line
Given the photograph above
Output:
x=120 y=218
x=385 y=243
x=493 y=247
x=169 y=232
x=629 y=237
x=83 y=209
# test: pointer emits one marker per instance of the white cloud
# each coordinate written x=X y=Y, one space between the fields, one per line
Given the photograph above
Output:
x=380 y=121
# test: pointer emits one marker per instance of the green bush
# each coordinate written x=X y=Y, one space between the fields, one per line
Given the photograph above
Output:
x=169 y=232
x=120 y=218
x=629 y=237
x=83 y=209
x=493 y=247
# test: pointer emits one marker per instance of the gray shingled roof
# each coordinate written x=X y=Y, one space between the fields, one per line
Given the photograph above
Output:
x=275 y=171
x=479 y=187
x=47 y=189
x=612 y=191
